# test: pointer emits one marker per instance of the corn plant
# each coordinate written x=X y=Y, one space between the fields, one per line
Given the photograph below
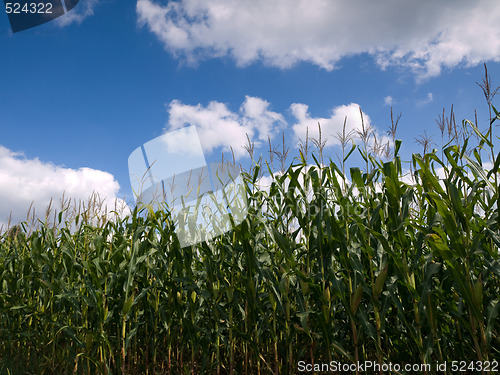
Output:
x=328 y=266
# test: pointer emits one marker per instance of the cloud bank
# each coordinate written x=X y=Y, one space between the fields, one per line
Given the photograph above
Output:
x=219 y=127
x=424 y=36
x=332 y=127
x=25 y=181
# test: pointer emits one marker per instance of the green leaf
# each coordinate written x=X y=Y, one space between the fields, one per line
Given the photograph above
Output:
x=356 y=298
x=479 y=171
x=353 y=147
x=127 y=305
x=356 y=177
x=492 y=312
x=379 y=282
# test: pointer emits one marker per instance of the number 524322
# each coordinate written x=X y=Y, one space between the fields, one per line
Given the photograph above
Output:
x=33 y=8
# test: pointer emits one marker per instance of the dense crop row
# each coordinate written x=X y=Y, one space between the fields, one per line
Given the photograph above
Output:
x=376 y=265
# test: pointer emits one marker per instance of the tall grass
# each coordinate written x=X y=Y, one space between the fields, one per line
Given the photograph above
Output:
x=328 y=266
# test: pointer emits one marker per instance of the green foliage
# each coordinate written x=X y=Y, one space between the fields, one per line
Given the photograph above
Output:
x=387 y=268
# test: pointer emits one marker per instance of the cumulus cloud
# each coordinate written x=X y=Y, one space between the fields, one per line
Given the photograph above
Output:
x=388 y=100
x=25 y=182
x=218 y=126
x=424 y=36
x=332 y=127
x=428 y=99
x=84 y=9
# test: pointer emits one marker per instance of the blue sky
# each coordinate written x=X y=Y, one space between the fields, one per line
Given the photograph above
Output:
x=80 y=93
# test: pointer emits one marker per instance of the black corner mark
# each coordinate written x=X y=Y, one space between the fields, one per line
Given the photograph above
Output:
x=25 y=14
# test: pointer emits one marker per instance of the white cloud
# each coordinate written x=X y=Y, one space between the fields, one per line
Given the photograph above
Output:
x=256 y=114
x=218 y=126
x=84 y=9
x=424 y=36
x=332 y=127
x=428 y=99
x=25 y=181
x=388 y=100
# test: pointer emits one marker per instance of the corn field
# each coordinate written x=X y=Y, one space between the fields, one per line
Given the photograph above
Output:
x=390 y=262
